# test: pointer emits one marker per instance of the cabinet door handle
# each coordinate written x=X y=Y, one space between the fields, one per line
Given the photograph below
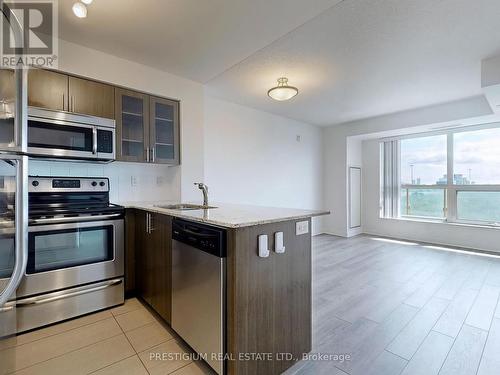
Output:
x=147 y=222
x=153 y=154
x=63 y=107
x=147 y=154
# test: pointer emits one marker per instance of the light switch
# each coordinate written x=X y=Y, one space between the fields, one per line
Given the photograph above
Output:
x=301 y=227
x=279 y=246
x=263 y=246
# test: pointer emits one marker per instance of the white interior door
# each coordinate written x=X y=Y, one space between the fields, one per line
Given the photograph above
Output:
x=354 y=197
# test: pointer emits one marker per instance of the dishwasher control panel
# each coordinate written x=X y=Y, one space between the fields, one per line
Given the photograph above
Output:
x=203 y=237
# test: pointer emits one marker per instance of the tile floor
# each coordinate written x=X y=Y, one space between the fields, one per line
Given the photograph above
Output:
x=122 y=340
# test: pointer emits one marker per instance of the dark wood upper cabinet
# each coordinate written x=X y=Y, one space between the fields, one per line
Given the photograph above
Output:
x=60 y=92
x=147 y=127
x=132 y=125
x=48 y=89
x=91 y=98
x=164 y=130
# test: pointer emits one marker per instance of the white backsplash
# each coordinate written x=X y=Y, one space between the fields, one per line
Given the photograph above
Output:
x=152 y=182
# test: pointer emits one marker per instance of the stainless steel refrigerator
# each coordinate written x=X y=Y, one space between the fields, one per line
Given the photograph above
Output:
x=13 y=186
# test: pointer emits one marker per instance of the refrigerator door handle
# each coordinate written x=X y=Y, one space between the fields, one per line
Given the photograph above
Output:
x=21 y=84
x=21 y=225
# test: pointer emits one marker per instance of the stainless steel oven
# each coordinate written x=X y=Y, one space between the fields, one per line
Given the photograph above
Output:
x=68 y=135
x=75 y=262
x=65 y=255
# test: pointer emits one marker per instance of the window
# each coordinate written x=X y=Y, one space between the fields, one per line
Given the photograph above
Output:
x=453 y=176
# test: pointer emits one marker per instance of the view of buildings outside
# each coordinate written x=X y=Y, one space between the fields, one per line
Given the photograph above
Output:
x=476 y=161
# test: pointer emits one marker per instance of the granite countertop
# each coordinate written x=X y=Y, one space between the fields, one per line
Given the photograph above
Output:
x=229 y=215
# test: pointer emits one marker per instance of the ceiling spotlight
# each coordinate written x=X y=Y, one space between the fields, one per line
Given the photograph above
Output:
x=282 y=92
x=80 y=10
x=86 y=2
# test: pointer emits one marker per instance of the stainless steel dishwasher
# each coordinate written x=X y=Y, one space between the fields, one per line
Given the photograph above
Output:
x=199 y=289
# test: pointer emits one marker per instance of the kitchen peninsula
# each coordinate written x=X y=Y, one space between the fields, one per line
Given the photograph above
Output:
x=267 y=295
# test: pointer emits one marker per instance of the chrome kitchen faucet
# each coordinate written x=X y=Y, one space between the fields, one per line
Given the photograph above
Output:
x=203 y=188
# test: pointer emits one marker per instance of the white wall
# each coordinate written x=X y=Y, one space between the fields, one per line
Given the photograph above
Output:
x=244 y=155
x=341 y=144
x=253 y=157
x=446 y=234
x=177 y=183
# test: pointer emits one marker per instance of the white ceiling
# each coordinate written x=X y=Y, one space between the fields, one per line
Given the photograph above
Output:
x=196 y=39
x=356 y=59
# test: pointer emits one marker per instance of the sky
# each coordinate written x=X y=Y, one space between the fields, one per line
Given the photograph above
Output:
x=477 y=151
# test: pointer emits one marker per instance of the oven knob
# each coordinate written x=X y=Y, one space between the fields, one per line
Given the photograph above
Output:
x=102 y=183
x=35 y=183
x=94 y=183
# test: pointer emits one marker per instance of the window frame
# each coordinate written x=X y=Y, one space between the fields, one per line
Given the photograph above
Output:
x=451 y=190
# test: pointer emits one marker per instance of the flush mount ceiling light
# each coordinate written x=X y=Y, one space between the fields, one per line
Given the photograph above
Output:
x=87 y=2
x=282 y=92
x=80 y=10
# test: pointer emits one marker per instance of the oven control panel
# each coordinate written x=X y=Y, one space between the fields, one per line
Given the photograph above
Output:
x=67 y=184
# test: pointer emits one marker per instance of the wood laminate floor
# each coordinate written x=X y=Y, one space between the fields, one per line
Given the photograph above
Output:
x=398 y=307
x=393 y=307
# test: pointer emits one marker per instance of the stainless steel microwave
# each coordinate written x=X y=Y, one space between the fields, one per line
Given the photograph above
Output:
x=58 y=134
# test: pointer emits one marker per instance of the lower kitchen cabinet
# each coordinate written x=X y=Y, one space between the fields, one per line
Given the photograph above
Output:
x=153 y=261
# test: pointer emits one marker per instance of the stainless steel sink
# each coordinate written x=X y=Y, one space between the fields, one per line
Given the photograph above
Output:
x=184 y=207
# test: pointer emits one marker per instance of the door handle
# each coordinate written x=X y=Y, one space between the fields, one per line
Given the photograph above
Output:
x=94 y=140
x=59 y=220
x=64 y=294
x=9 y=306
x=21 y=224
x=151 y=228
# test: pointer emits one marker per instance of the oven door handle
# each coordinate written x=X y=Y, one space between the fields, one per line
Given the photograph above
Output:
x=63 y=294
x=60 y=220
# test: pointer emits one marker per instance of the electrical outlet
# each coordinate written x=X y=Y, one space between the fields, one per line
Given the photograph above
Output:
x=159 y=180
x=133 y=181
x=301 y=227
x=299 y=138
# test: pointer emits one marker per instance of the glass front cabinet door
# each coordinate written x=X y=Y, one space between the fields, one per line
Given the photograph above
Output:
x=132 y=126
x=147 y=128
x=164 y=130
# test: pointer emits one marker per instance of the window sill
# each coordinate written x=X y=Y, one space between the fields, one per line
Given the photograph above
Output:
x=441 y=222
